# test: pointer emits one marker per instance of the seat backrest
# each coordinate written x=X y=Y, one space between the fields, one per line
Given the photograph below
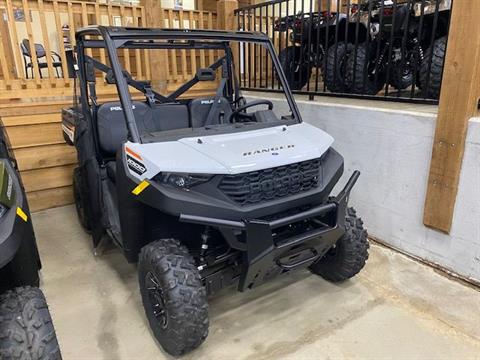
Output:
x=39 y=49
x=168 y=117
x=111 y=125
x=112 y=128
x=199 y=109
x=24 y=46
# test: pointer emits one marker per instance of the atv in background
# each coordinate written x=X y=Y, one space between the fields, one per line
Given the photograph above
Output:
x=312 y=35
x=204 y=192
x=26 y=328
x=395 y=40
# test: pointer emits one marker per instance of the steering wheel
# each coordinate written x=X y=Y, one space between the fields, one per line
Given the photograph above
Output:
x=238 y=112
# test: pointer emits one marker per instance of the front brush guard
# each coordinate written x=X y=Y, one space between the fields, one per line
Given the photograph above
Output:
x=262 y=253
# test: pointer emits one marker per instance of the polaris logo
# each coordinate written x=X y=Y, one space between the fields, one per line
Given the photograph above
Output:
x=136 y=166
x=273 y=150
x=119 y=108
x=208 y=102
x=279 y=183
x=286 y=183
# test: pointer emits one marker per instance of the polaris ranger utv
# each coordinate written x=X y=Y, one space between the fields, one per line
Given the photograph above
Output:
x=26 y=329
x=204 y=192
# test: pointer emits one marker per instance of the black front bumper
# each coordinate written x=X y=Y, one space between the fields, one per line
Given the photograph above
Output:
x=265 y=254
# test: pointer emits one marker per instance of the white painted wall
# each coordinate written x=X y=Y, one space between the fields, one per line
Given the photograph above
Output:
x=392 y=149
x=186 y=4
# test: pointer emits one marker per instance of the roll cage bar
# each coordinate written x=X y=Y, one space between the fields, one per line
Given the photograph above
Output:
x=113 y=38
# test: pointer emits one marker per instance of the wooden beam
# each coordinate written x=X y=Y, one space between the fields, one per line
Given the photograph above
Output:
x=225 y=16
x=158 y=62
x=209 y=5
x=459 y=101
x=226 y=20
x=46 y=199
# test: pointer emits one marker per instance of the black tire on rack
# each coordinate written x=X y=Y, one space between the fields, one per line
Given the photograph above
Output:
x=335 y=67
x=297 y=72
x=361 y=73
x=436 y=57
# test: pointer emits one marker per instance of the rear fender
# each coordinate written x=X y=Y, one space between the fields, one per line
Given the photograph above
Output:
x=18 y=249
x=349 y=34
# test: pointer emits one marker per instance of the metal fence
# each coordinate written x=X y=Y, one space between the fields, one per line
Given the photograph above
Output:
x=379 y=49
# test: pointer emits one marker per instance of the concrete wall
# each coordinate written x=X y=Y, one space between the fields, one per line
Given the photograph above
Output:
x=392 y=149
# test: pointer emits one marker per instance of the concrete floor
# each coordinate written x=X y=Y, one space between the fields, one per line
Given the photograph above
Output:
x=395 y=309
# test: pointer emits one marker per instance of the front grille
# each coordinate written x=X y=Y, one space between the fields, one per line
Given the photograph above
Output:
x=269 y=184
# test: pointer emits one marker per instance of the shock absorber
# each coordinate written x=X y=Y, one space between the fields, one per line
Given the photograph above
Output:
x=380 y=63
x=416 y=45
x=204 y=247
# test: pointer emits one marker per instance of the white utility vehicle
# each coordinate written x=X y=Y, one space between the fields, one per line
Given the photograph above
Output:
x=204 y=192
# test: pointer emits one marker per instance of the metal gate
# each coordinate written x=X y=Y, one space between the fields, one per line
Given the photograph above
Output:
x=376 y=49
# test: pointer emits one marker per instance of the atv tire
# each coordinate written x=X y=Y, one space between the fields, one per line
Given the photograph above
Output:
x=173 y=296
x=349 y=254
x=436 y=57
x=359 y=73
x=26 y=328
x=80 y=200
x=296 y=71
x=334 y=70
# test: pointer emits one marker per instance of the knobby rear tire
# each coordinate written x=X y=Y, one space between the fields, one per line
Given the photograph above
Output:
x=26 y=328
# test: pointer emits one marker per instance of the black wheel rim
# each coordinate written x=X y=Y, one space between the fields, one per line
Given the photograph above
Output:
x=404 y=72
x=157 y=299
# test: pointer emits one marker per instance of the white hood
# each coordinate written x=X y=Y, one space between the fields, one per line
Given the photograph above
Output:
x=233 y=153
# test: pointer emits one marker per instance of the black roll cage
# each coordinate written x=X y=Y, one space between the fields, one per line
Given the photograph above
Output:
x=114 y=38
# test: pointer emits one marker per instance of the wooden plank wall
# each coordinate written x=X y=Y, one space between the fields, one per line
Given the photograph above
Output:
x=38 y=29
x=182 y=64
x=44 y=160
x=45 y=25
x=30 y=109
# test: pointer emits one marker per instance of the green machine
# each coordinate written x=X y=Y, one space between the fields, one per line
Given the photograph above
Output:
x=26 y=328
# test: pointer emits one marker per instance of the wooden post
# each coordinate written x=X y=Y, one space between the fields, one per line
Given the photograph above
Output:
x=226 y=21
x=459 y=101
x=158 y=58
x=209 y=5
x=225 y=16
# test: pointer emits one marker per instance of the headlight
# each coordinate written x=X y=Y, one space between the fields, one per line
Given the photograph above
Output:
x=183 y=181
